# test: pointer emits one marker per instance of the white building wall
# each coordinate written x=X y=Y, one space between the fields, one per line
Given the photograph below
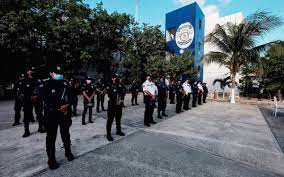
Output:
x=213 y=71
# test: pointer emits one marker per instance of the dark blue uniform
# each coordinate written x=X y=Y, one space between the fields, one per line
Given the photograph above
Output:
x=205 y=92
x=162 y=98
x=29 y=87
x=179 y=93
x=89 y=90
x=56 y=93
x=75 y=90
x=172 y=92
x=19 y=100
x=194 y=94
x=134 y=93
x=100 y=87
x=115 y=104
x=38 y=105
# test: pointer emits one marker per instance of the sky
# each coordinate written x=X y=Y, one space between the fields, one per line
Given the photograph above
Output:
x=153 y=11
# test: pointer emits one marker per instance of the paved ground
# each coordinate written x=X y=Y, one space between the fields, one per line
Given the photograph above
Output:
x=275 y=123
x=217 y=139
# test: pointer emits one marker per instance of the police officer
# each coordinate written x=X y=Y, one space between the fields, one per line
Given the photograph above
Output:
x=57 y=97
x=19 y=99
x=150 y=94
x=200 y=92
x=123 y=88
x=29 y=87
x=172 y=92
x=134 y=92
x=100 y=91
x=205 y=92
x=187 y=89
x=38 y=105
x=194 y=94
x=162 y=97
x=114 y=111
x=89 y=94
x=180 y=94
x=75 y=90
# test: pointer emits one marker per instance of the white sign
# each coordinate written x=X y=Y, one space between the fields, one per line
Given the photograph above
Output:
x=184 y=35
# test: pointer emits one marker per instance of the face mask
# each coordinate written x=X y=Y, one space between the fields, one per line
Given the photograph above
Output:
x=57 y=77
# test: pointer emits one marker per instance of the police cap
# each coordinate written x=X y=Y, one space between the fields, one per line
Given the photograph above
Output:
x=55 y=69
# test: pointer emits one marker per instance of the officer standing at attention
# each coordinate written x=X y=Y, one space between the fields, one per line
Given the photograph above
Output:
x=150 y=94
x=101 y=89
x=172 y=92
x=134 y=92
x=124 y=90
x=187 y=88
x=89 y=94
x=180 y=94
x=19 y=99
x=200 y=92
x=57 y=97
x=162 y=97
x=115 y=94
x=38 y=105
x=194 y=94
x=205 y=92
x=75 y=92
x=29 y=88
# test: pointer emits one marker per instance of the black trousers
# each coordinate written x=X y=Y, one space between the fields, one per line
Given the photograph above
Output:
x=172 y=97
x=186 y=102
x=204 y=98
x=134 y=98
x=55 y=119
x=162 y=104
x=149 y=110
x=113 y=112
x=200 y=99
x=90 y=108
x=194 y=99
x=100 y=101
x=18 y=108
x=39 y=114
x=75 y=104
x=179 y=103
x=28 y=113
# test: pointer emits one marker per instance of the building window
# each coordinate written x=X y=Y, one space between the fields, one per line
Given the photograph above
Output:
x=200 y=23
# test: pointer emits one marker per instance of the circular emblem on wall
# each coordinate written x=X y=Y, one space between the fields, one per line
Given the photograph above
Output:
x=184 y=35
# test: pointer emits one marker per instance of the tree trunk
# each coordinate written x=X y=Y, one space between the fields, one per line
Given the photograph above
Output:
x=223 y=93
x=233 y=95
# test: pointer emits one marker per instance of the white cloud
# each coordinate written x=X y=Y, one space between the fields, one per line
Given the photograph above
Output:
x=185 y=2
x=225 y=1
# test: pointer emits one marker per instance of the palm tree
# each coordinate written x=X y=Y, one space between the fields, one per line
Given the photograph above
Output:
x=223 y=83
x=236 y=43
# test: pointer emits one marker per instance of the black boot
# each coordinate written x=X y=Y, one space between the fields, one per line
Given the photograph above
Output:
x=120 y=133
x=90 y=120
x=16 y=123
x=27 y=131
x=83 y=120
x=40 y=128
x=164 y=114
x=52 y=164
x=109 y=138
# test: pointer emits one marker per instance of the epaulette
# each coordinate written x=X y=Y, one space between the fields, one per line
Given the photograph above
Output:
x=47 y=79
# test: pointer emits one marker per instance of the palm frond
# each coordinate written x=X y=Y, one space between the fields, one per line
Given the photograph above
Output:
x=218 y=57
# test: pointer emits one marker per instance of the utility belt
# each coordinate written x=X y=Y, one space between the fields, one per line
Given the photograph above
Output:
x=53 y=107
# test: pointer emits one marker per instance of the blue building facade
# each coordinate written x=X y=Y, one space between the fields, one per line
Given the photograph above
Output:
x=185 y=32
